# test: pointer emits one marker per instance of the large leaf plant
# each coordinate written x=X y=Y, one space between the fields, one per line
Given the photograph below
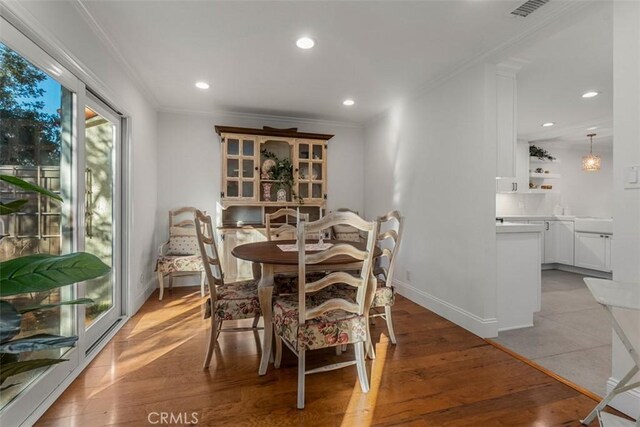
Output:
x=36 y=273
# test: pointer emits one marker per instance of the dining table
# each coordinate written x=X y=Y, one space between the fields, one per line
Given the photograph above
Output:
x=269 y=259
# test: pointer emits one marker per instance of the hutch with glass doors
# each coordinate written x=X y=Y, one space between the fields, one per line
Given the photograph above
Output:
x=264 y=170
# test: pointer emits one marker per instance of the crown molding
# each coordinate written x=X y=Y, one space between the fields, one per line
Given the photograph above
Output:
x=262 y=117
x=490 y=55
x=129 y=69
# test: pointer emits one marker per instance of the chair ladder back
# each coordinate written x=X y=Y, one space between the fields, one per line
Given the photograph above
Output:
x=208 y=251
x=360 y=282
x=286 y=227
x=393 y=224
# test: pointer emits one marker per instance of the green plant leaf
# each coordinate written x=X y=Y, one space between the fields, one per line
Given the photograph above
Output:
x=47 y=306
x=38 y=273
x=10 y=369
x=13 y=206
x=9 y=321
x=20 y=183
x=37 y=342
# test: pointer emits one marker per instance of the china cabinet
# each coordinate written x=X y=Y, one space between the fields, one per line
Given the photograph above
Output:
x=264 y=170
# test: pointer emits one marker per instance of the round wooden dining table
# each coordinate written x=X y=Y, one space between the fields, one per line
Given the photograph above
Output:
x=268 y=259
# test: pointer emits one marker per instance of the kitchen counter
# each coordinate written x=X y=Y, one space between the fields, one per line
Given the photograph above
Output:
x=513 y=227
x=537 y=217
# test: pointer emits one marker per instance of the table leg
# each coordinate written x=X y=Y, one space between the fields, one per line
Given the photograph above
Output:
x=265 y=290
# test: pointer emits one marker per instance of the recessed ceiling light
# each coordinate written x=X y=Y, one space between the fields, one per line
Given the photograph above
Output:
x=348 y=102
x=546 y=125
x=590 y=94
x=202 y=85
x=305 y=43
x=592 y=128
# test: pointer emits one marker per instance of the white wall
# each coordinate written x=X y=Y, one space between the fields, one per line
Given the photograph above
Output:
x=62 y=31
x=626 y=203
x=189 y=160
x=433 y=158
x=584 y=193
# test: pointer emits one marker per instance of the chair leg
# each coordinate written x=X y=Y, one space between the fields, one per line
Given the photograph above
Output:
x=214 y=331
x=301 y=374
x=170 y=281
x=278 y=357
x=369 y=348
x=362 y=368
x=387 y=317
x=255 y=321
x=160 y=284
x=338 y=350
x=203 y=281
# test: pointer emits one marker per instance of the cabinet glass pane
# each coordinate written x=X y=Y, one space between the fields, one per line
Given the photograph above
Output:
x=247 y=147
x=233 y=147
x=303 y=151
x=303 y=190
x=304 y=171
x=247 y=189
x=316 y=171
x=247 y=168
x=232 y=167
x=316 y=191
x=317 y=152
x=232 y=189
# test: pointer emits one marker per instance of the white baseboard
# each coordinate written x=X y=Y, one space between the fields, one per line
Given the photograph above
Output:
x=485 y=328
x=627 y=402
x=511 y=328
x=577 y=270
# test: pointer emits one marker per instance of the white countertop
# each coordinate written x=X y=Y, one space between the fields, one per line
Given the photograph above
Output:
x=537 y=217
x=512 y=227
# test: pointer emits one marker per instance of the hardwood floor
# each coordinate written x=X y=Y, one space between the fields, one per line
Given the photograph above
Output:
x=438 y=375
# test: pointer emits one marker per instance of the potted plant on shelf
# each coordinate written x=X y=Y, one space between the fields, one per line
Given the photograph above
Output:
x=281 y=171
x=540 y=153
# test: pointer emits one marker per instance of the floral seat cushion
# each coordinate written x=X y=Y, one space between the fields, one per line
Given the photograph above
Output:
x=384 y=296
x=332 y=328
x=236 y=301
x=174 y=263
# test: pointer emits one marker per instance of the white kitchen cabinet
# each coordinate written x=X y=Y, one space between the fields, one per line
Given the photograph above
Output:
x=506 y=124
x=565 y=241
x=557 y=242
x=593 y=251
x=506 y=185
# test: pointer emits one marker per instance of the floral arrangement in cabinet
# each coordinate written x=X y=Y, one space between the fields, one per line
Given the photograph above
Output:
x=279 y=172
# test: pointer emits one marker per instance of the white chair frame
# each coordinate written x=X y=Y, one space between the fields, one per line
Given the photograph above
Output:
x=286 y=227
x=393 y=234
x=211 y=260
x=363 y=283
x=186 y=224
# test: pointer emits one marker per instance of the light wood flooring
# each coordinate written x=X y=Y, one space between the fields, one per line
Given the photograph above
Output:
x=438 y=375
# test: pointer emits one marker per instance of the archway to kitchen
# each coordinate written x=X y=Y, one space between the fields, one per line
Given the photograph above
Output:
x=560 y=195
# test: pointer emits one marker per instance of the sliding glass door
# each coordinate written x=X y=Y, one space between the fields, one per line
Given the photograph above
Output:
x=102 y=131
x=58 y=136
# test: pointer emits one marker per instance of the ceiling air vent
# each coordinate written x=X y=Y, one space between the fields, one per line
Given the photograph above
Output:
x=529 y=7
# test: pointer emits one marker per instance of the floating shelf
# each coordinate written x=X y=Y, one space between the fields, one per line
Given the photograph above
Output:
x=539 y=191
x=545 y=175
x=545 y=162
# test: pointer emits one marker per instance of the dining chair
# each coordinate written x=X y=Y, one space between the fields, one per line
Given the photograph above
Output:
x=286 y=230
x=315 y=318
x=226 y=301
x=390 y=227
x=179 y=255
x=346 y=232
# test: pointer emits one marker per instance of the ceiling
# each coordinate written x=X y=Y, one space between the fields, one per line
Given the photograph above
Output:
x=375 y=52
x=558 y=70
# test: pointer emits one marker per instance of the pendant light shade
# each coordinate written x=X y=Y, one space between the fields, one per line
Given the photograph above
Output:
x=591 y=163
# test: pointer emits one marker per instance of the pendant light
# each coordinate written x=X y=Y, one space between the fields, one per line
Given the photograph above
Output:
x=591 y=163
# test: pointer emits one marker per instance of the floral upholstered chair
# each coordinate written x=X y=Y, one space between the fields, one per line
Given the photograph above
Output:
x=317 y=318
x=179 y=256
x=390 y=228
x=226 y=301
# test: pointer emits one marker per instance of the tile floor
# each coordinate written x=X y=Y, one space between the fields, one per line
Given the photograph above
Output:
x=571 y=334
